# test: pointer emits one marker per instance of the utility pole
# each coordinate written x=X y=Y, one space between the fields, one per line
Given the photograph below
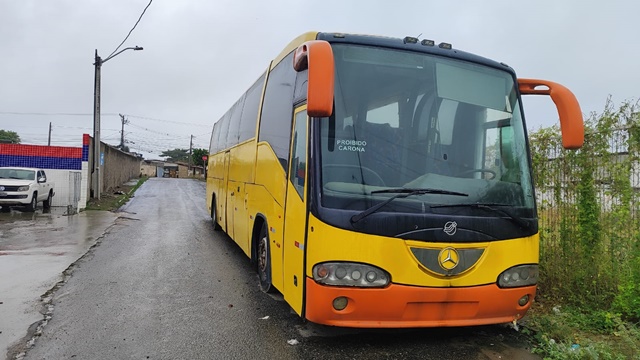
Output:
x=124 y=121
x=49 y=142
x=97 y=155
x=190 y=156
x=96 y=126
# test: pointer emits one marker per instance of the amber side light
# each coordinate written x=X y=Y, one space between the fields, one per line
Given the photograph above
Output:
x=317 y=57
x=571 y=122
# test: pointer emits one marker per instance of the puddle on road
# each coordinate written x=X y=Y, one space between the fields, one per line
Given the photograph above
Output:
x=35 y=248
x=38 y=231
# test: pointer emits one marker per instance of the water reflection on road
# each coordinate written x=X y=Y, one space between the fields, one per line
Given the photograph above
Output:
x=35 y=248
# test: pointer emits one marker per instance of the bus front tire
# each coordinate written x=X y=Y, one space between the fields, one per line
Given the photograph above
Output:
x=214 y=215
x=264 y=260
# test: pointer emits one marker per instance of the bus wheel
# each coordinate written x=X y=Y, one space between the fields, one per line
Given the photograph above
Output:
x=264 y=260
x=214 y=215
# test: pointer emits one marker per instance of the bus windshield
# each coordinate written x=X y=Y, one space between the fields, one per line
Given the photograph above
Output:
x=410 y=120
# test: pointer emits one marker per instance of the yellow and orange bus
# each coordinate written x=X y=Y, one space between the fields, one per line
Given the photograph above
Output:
x=380 y=182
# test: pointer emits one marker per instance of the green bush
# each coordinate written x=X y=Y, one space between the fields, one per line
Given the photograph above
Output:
x=588 y=210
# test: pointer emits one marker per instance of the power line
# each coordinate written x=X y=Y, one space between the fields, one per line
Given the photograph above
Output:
x=149 y=130
x=102 y=114
x=51 y=113
x=169 y=121
x=130 y=31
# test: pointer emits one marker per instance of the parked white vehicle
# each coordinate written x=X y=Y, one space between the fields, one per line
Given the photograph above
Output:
x=25 y=187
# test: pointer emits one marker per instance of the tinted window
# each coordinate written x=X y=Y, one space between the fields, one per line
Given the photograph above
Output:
x=224 y=130
x=277 y=110
x=214 y=139
x=250 y=110
x=234 y=122
x=299 y=153
x=301 y=87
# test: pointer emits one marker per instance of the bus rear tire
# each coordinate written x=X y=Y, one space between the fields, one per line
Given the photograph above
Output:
x=214 y=215
x=264 y=260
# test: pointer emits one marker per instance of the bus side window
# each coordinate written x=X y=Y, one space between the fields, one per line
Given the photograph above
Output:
x=299 y=153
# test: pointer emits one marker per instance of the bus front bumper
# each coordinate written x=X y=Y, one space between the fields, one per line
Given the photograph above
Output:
x=400 y=306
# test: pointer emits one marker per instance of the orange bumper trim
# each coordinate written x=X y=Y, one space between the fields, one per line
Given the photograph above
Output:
x=398 y=306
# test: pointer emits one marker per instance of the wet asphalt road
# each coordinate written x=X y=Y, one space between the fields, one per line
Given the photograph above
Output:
x=162 y=284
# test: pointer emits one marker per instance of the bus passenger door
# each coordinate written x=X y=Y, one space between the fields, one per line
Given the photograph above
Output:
x=295 y=217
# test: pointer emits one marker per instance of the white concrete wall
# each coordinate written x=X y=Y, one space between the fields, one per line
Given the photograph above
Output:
x=64 y=187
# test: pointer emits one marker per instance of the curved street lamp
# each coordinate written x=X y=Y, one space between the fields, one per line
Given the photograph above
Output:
x=97 y=157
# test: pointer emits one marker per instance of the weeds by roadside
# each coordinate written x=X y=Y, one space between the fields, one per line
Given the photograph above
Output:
x=114 y=199
x=588 y=301
x=566 y=333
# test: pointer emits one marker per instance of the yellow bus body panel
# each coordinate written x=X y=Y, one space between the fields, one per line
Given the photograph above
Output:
x=295 y=223
x=327 y=243
x=243 y=158
x=294 y=247
x=269 y=172
x=262 y=203
x=266 y=199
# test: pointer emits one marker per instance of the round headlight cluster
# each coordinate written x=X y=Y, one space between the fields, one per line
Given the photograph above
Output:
x=521 y=275
x=350 y=274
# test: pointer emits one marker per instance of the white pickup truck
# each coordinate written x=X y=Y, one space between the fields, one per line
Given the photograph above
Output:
x=24 y=187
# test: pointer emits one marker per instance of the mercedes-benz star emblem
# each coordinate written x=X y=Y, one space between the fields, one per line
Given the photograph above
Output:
x=448 y=258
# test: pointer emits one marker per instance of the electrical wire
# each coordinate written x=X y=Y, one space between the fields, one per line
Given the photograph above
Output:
x=51 y=114
x=130 y=31
x=169 y=121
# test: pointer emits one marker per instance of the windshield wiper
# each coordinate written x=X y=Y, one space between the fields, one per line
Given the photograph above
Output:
x=491 y=207
x=402 y=193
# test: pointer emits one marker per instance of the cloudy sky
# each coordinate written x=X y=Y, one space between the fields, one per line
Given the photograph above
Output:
x=201 y=55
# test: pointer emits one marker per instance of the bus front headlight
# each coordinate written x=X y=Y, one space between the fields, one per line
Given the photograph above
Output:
x=350 y=274
x=517 y=276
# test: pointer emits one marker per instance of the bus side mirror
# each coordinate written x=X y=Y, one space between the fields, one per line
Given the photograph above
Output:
x=571 y=123
x=317 y=56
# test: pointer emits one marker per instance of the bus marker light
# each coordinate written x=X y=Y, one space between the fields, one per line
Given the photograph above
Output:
x=323 y=272
x=340 y=303
x=410 y=40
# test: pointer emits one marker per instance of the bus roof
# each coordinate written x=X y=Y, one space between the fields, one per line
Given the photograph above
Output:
x=387 y=42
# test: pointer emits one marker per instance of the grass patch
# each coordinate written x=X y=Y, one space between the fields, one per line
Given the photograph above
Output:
x=115 y=198
x=567 y=333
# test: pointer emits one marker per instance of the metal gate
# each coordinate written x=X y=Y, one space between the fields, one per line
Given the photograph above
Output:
x=75 y=186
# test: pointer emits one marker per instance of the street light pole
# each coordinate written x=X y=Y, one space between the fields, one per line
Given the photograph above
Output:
x=96 y=128
x=97 y=155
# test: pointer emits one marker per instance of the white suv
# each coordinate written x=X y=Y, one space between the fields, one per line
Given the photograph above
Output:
x=24 y=187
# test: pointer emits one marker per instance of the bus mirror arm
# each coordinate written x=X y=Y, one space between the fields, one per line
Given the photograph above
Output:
x=317 y=57
x=571 y=122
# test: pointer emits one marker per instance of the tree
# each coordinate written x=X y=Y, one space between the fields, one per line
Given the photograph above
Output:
x=175 y=155
x=197 y=155
x=10 y=137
